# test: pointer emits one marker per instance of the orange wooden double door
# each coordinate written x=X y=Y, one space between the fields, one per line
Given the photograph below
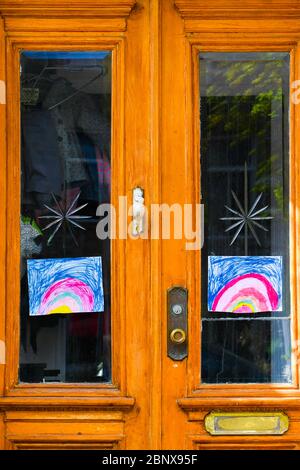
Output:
x=149 y=236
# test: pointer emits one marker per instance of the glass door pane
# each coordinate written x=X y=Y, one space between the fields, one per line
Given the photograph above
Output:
x=66 y=174
x=245 y=191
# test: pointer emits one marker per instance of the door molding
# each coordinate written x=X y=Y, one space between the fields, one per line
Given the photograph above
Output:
x=232 y=15
x=64 y=15
x=192 y=9
x=67 y=8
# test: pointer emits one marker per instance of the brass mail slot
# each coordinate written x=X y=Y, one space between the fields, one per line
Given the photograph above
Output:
x=217 y=423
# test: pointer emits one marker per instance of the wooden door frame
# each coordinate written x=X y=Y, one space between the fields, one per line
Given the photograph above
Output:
x=238 y=43
x=158 y=113
x=15 y=45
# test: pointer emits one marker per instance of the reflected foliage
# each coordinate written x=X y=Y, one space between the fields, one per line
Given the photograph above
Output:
x=257 y=100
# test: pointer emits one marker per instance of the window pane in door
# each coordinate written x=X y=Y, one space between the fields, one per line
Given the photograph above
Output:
x=65 y=175
x=244 y=113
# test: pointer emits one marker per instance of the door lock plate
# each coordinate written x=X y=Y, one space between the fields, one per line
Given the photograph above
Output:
x=177 y=323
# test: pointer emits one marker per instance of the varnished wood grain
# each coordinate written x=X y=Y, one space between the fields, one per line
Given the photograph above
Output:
x=175 y=188
x=234 y=8
x=137 y=114
x=60 y=24
x=2 y=431
x=67 y=401
x=71 y=8
x=155 y=274
x=2 y=201
x=67 y=443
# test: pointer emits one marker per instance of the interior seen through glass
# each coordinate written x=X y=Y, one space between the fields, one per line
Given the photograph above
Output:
x=244 y=114
x=66 y=174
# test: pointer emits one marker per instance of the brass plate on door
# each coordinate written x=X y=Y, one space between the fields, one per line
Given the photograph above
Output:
x=251 y=423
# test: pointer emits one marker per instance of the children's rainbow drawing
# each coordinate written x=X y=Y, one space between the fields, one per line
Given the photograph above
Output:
x=65 y=285
x=244 y=284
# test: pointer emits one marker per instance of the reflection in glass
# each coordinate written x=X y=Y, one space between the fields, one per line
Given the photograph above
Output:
x=65 y=125
x=244 y=144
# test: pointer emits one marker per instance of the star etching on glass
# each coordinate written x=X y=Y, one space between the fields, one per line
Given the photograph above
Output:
x=244 y=218
x=64 y=215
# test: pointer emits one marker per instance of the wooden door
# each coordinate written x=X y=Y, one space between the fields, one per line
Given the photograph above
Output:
x=45 y=404
x=213 y=56
x=164 y=58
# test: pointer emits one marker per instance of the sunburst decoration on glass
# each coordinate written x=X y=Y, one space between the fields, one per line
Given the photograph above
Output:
x=244 y=218
x=64 y=214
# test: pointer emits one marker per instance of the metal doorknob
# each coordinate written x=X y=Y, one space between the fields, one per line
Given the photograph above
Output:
x=178 y=336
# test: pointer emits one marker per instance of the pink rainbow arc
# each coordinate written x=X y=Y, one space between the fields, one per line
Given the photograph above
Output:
x=78 y=295
x=252 y=292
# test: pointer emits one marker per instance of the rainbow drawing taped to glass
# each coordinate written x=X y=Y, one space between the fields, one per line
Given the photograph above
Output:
x=65 y=285
x=244 y=284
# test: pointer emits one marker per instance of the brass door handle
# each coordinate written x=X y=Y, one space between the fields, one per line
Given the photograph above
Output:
x=178 y=336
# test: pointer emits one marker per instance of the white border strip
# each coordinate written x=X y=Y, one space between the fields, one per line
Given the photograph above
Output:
x=2 y=92
x=2 y=352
